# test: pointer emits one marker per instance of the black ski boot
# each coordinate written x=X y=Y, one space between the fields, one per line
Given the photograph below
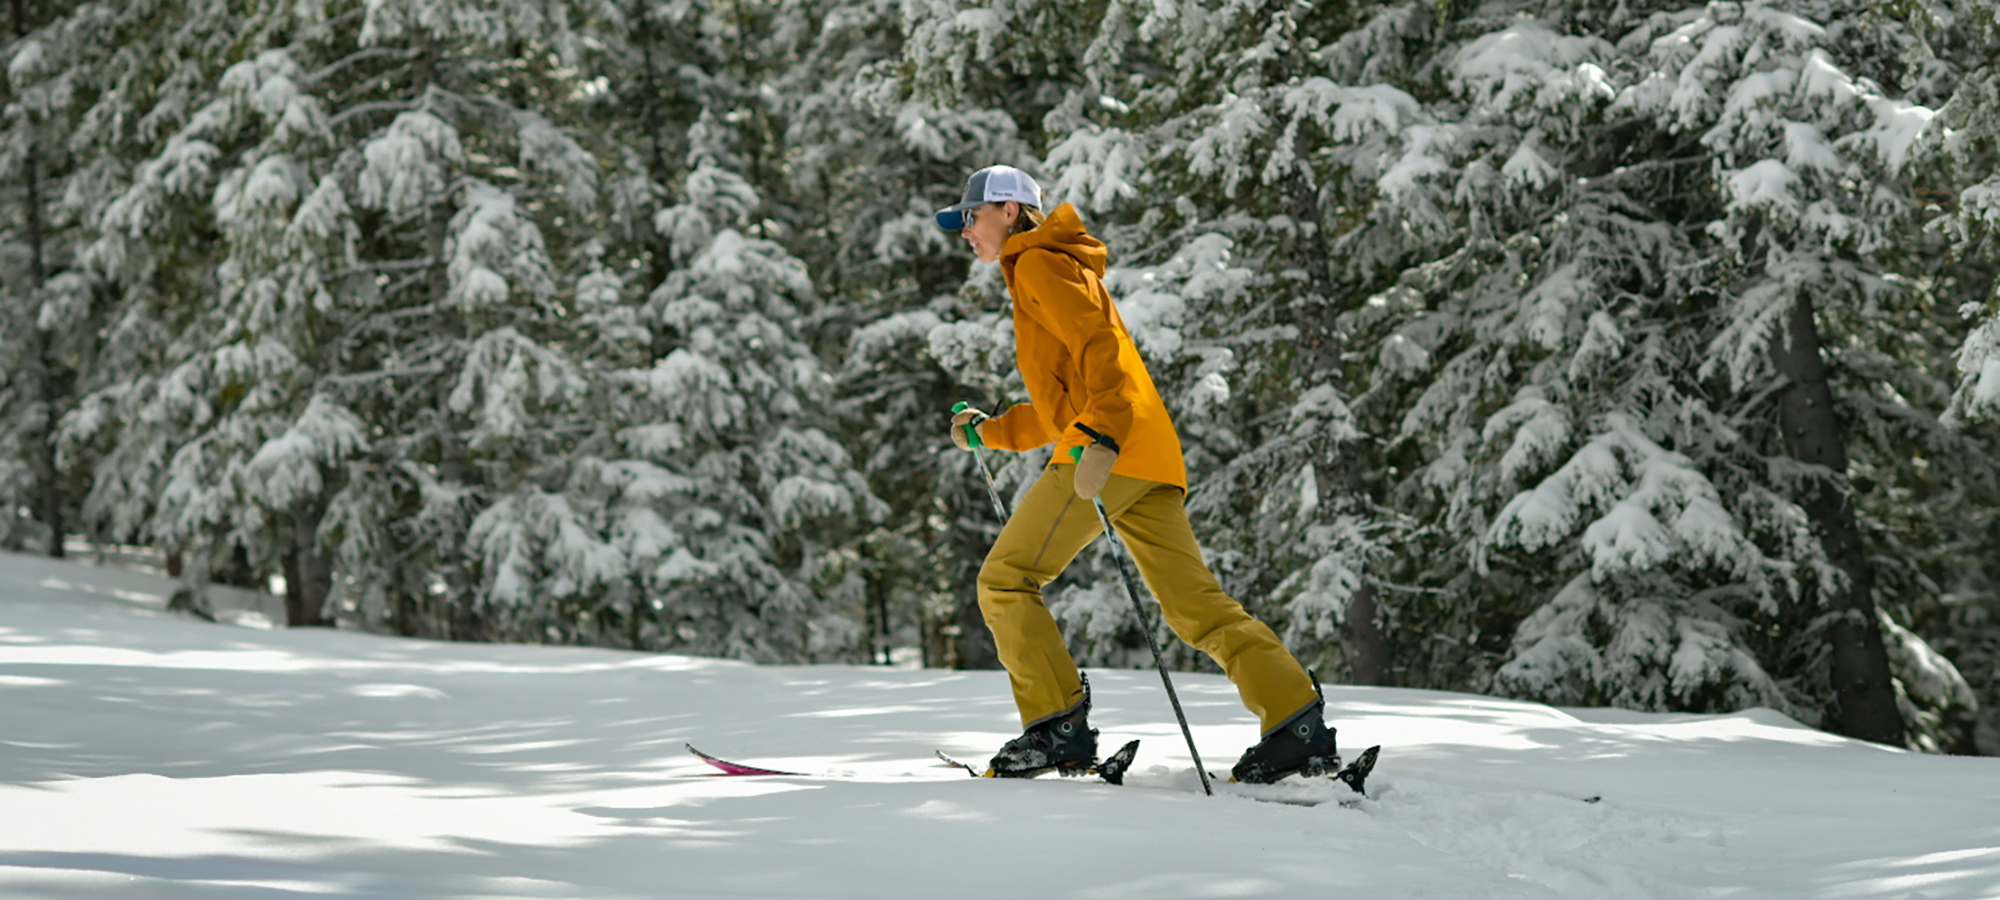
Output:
x=1302 y=746
x=1064 y=743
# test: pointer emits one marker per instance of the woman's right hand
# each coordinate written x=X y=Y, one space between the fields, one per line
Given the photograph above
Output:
x=963 y=419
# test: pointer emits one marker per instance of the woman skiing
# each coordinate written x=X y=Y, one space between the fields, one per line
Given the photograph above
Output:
x=1088 y=388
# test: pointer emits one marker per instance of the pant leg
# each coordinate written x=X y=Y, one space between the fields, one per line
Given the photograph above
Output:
x=1155 y=529
x=1044 y=533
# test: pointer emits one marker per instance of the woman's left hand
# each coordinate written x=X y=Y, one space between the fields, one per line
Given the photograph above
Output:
x=1093 y=468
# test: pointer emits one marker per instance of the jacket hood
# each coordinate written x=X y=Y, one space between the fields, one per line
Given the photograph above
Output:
x=1061 y=231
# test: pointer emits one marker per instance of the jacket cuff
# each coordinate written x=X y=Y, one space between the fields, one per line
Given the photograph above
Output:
x=1099 y=438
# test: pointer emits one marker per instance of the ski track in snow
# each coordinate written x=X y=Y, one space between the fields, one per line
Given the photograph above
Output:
x=148 y=756
x=1560 y=843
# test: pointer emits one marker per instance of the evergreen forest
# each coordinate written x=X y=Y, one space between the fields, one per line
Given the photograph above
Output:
x=1642 y=354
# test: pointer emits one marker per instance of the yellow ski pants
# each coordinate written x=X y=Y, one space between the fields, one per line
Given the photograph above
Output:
x=1052 y=526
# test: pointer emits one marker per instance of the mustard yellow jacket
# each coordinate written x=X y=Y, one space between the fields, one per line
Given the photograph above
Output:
x=1083 y=372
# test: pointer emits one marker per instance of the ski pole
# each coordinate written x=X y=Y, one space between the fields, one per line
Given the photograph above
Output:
x=973 y=443
x=1139 y=608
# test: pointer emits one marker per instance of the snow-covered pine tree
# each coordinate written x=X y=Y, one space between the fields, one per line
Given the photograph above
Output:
x=254 y=477
x=1968 y=133
x=200 y=363
x=703 y=465
x=577 y=543
x=1305 y=106
x=471 y=196
x=45 y=325
x=1953 y=63
x=726 y=485
x=1818 y=281
x=1458 y=305
x=877 y=157
x=1575 y=387
x=646 y=71
x=143 y=257
x=1542 y=413
x=30 y=497
x=978 y=87
x=369 y=280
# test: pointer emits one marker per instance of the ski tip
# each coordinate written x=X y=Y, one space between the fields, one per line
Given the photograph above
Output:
x=725 y=767
x=969 y=770
x=1355 y=775
x=1112 y=768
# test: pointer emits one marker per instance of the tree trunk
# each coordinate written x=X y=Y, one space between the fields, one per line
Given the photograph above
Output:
x=1859 y=661
x=460 y=619
x=405 y=601
x=50 y=506
x=663 y=264
x=308 y=573
x=1362 y=642
x=46 y=394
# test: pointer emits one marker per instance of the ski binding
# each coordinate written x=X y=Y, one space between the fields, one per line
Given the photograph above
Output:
x=1111 y=768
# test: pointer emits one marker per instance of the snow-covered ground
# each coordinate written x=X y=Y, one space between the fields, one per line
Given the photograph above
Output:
x=148 y=755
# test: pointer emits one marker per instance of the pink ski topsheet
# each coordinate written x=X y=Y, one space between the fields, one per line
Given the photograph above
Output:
x=729 y=768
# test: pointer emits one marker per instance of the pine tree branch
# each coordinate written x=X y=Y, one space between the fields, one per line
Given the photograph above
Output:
x=399 y=265
x=368 y=108
x=358 y=57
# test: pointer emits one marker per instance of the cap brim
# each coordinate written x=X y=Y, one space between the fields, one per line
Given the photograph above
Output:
x=952 y=218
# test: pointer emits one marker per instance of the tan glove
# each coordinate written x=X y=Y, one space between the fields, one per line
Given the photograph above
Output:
x=1093 y=468
x=960 y=420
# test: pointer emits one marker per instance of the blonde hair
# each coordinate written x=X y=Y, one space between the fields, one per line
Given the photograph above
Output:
x=1031 y=218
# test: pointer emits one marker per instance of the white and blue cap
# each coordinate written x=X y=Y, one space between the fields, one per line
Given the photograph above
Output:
x=993 y=184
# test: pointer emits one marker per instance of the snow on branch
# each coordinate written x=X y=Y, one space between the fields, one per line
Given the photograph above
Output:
x=714 y=200
x=1529 y=66
x=250 y=200
x=699 y=394
x=1340 y=553
x=495 y=25
x=324 y=218
x=1978 y=394
x=535 y=544
x=287 y=468
x=1657 y=648
x=1540 y=430
x=1096 y=167
x=496 y=254
x=1654 y=508
x=405 y=166
x=268 y=86
x=546 y=148
x=503 y=374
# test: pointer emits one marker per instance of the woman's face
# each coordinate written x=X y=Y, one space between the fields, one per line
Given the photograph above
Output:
x=986 y=228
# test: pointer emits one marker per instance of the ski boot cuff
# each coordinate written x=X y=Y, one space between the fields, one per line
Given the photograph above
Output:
x=1079 y=707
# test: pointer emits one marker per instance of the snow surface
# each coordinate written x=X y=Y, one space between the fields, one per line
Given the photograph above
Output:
x=147 y=755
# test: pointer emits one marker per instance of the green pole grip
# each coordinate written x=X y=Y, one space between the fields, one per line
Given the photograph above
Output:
x=1076 y=454
x=971 y=432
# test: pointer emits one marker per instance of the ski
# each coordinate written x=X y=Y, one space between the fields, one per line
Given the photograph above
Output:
x=726 y=767
x=968 y=767
x=1112 y=770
